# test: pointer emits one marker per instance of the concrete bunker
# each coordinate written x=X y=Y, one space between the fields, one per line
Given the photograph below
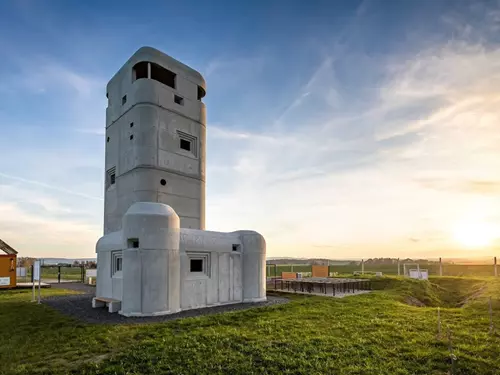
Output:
x=155 y=256
x=154 y=267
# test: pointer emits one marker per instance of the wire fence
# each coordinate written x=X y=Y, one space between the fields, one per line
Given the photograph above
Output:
x=444 y=268
x=54 y=274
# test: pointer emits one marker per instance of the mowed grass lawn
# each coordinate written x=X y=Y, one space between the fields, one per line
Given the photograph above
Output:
x=377 y=333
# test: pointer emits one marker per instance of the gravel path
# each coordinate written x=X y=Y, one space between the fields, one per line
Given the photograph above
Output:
x=79 y=306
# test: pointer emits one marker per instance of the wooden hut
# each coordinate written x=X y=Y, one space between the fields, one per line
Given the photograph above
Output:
x=8 y=262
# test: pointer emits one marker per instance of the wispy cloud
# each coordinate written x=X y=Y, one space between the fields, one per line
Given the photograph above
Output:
x=352 y=152
x=433 y=123
x=50 y=187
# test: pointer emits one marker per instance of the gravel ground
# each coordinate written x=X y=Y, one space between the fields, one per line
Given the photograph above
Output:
x=79 y=306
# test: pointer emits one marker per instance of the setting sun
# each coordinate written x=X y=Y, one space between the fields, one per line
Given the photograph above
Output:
x=473 y=233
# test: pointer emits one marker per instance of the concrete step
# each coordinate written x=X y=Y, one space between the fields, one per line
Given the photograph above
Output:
x=113 y=305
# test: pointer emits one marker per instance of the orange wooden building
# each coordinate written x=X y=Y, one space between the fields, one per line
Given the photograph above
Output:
x=8 y=262
x=319 y=271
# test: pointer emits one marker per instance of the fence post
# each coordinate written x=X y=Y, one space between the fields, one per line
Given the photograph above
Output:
x=399 y=268
x=439 y=324
x=362 y=266
x=495 y=267
x=492 y=327
x=453 y=357
x=32 y=276
x=59 y=274
x=440 y=267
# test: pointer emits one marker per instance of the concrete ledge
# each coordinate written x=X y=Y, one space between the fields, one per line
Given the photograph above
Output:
x=249 y=300
x=113 y=305
x=96 y=303
x=145 y=315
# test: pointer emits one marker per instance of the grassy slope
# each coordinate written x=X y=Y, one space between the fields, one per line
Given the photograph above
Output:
x=368 y=334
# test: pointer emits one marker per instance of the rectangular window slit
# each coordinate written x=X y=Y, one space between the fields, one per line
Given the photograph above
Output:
x=196 y=265
x=133 y=243
x=188 y=142
x=185 y=145
x=178 y=100
x=110 y=177
x=163 y=75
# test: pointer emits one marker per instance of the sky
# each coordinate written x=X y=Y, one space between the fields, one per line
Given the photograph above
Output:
x=339 y=129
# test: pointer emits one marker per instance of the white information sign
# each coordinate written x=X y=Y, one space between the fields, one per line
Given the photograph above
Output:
x=91 y=273
x=36 y=270
x=4 y=281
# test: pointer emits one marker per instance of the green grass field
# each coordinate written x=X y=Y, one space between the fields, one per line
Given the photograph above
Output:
x=378 y=333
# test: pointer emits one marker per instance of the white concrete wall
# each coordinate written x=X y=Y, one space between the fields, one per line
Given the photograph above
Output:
x=156 y=277
x=151 y=282
x=154 y=152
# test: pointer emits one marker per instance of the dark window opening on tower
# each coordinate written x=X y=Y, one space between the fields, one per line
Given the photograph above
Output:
x=162 y=75
x=110 y=177
x=201 y=92
x=107 y=139
x=188 y=142
x=236 y=247
x=163 y=182
x=196 y=265
x=118 y=265
x=133 y=243
x=124 y=99
x=185 y=145
x=141 y=70
x=131 y=136
x=178 y=100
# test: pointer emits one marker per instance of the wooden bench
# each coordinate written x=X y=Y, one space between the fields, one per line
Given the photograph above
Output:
x=112 y=304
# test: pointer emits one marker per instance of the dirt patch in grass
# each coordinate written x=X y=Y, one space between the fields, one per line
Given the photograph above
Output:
x=412 y=301
x=446 y=292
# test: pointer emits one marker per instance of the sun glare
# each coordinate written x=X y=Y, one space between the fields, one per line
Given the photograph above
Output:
x=474 y=234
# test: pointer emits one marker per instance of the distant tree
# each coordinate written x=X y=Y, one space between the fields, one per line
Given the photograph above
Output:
x=25 y=261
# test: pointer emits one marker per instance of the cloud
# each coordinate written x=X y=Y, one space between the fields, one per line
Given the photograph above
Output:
x=352 y=155
x=42 y=236
x=50 y=187
x=420 y=154
x=469 y=187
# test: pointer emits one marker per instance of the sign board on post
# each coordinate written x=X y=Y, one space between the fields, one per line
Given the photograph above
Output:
x=4 y=281
x=91 y=273
x=37 y=276
x=36 y=270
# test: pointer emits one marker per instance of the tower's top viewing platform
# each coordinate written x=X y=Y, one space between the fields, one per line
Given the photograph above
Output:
x=152 y=55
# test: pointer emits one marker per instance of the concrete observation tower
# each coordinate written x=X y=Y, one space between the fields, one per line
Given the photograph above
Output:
x=156 y=257
x=155 y=139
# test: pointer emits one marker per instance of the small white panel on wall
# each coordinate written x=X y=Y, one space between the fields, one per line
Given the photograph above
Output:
x=4 y=281
x=21 y=271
